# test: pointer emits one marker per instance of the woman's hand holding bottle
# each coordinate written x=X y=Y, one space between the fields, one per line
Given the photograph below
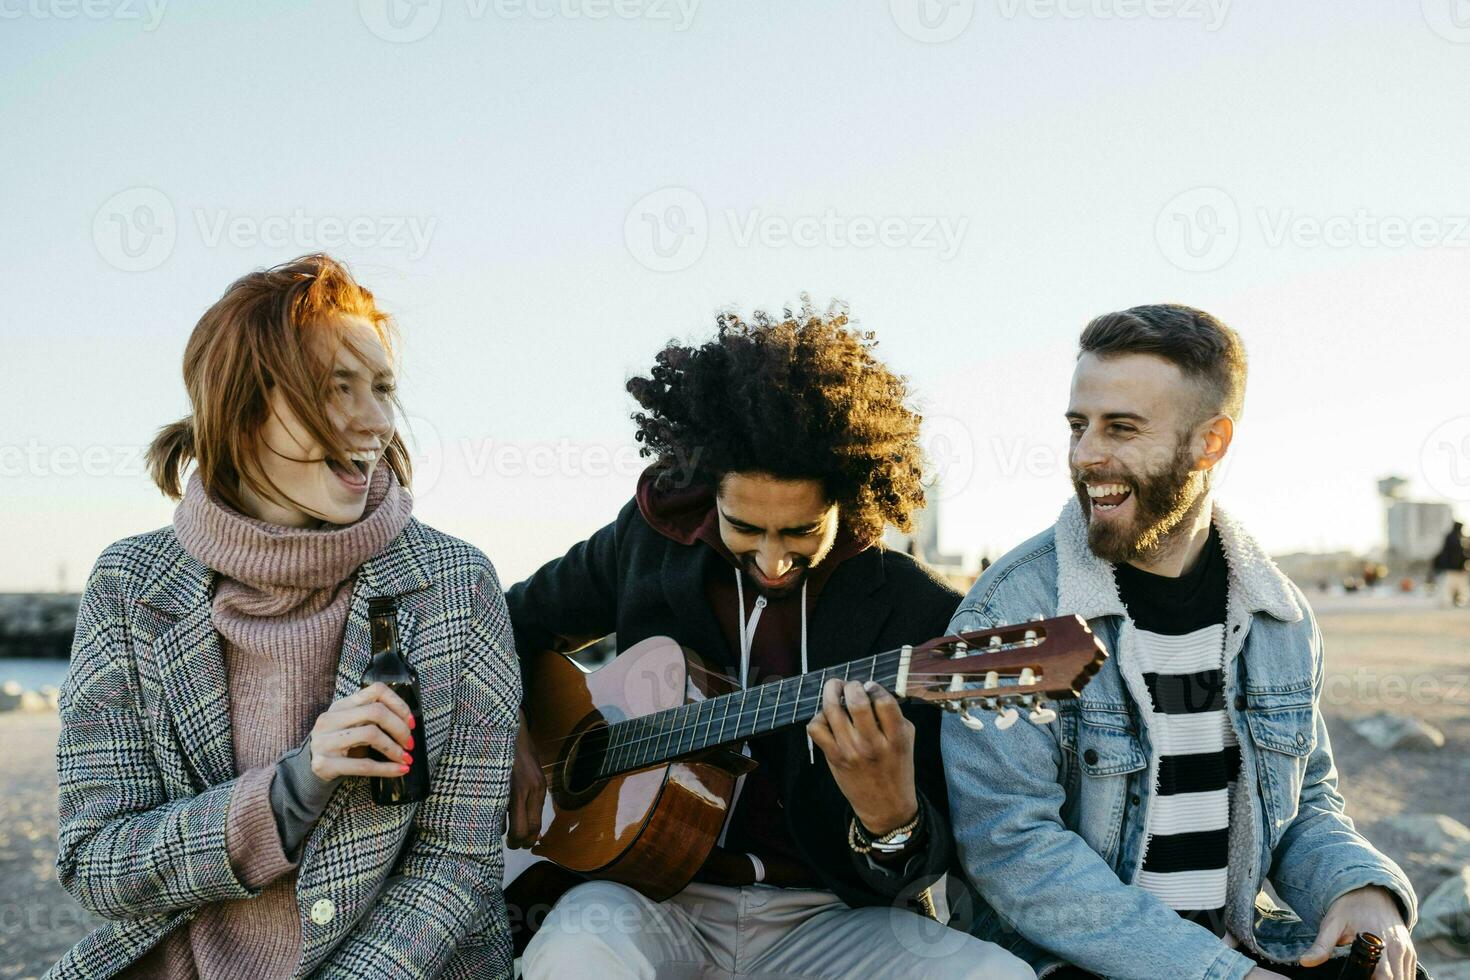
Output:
x=372 y=718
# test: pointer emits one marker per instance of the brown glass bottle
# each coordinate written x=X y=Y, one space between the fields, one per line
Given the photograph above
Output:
x=389 y=667
x=1363 y=959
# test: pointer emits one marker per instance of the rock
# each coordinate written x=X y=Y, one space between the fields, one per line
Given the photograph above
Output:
x=33 y=701
x=10 y=695
x=1389 y=731
x=14 y=697
x=1430 y=846
x=1444 y=918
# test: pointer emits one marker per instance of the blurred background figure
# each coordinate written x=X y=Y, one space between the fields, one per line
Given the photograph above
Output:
x=1451 y=578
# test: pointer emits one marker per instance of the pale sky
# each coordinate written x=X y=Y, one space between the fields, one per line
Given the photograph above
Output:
x=544 y=191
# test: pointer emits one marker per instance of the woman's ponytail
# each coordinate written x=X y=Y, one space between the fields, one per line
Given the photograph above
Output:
x=170 y=452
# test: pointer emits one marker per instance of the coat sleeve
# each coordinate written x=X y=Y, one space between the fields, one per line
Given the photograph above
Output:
x=125 y=850
x=1321 y=856
x=570 y=601
x=445 y=903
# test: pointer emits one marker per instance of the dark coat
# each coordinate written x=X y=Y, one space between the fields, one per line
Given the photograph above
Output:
x=631 y=580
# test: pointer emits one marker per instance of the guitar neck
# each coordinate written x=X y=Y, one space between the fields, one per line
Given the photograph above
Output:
x=656 y=738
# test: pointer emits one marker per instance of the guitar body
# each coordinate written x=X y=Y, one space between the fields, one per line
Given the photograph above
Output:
x=650 y=829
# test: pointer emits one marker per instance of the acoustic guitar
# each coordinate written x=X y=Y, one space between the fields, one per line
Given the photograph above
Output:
x=638 y=756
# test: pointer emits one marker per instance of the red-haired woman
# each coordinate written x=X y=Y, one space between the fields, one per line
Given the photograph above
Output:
x=216 y=742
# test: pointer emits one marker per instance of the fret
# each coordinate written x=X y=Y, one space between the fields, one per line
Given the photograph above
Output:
x=676 y=731
x=728 y=700
x=700 y=710
x=662 y=742
x=714 y=706
x=610 y=750
x=630 y=756
x=676 y=724
x=692 y=724
x=760 y=695
x=626 y=757
x=624 y=737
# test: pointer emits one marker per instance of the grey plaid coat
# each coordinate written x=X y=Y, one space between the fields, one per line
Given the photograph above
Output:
x=146 y=769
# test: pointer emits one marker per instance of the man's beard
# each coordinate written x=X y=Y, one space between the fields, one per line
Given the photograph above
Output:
x=1161 y=503
x=747 y=562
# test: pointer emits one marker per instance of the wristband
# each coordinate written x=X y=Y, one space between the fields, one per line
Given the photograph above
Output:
x=893 y=842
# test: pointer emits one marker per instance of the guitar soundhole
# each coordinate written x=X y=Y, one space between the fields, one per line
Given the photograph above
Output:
x=584 y=761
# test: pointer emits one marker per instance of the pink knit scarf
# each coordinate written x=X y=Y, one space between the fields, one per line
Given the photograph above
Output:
x=276 y=582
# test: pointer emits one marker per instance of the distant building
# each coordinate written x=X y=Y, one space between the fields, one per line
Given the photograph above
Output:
x=1415 y=529
x=923 y=544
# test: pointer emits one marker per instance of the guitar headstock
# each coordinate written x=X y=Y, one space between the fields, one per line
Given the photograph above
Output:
x=999 y=669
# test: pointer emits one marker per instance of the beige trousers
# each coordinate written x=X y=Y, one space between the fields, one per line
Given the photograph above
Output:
x=606 y=931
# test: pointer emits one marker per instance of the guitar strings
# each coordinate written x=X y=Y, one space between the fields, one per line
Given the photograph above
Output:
x=691 y=707
x=746 y=711
x=744 y=714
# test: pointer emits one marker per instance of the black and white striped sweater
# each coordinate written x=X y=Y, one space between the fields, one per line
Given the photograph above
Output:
x=1181 y=633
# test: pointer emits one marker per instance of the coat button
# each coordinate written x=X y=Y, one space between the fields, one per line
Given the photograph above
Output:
x=1240 y=702
x=1090 y=757
x=322 y=911
x=1301 y=739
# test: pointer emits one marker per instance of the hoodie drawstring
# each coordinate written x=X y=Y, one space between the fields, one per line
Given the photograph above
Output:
x=747 y=637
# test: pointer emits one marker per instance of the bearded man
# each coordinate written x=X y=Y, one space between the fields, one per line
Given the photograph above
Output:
x=1132 y=836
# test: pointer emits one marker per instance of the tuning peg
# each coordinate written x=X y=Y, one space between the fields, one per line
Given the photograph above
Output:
x=961 y=650
x=1030 y=639
x=992 y=679
x=1037 y=618
x=996 y=643
x=1028 y=677
x=971 y=722
x=1007 y=718
x=1042 y=715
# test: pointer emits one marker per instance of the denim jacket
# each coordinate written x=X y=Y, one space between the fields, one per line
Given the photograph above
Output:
x=1050 y=820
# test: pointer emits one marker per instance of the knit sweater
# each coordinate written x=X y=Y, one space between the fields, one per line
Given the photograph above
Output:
x=280 y=607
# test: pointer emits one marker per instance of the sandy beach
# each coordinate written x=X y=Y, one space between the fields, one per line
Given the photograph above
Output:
x=1383 y=653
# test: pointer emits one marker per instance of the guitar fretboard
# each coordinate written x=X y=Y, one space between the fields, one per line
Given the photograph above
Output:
x=656 y=738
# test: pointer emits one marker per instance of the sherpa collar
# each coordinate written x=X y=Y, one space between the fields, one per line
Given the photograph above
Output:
x=1085 y=583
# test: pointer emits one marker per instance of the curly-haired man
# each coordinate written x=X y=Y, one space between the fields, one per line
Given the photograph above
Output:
x=782 y=449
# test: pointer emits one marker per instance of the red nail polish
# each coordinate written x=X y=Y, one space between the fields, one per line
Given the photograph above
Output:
x=404 y=768
x=412 y=722
x=410 y=742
